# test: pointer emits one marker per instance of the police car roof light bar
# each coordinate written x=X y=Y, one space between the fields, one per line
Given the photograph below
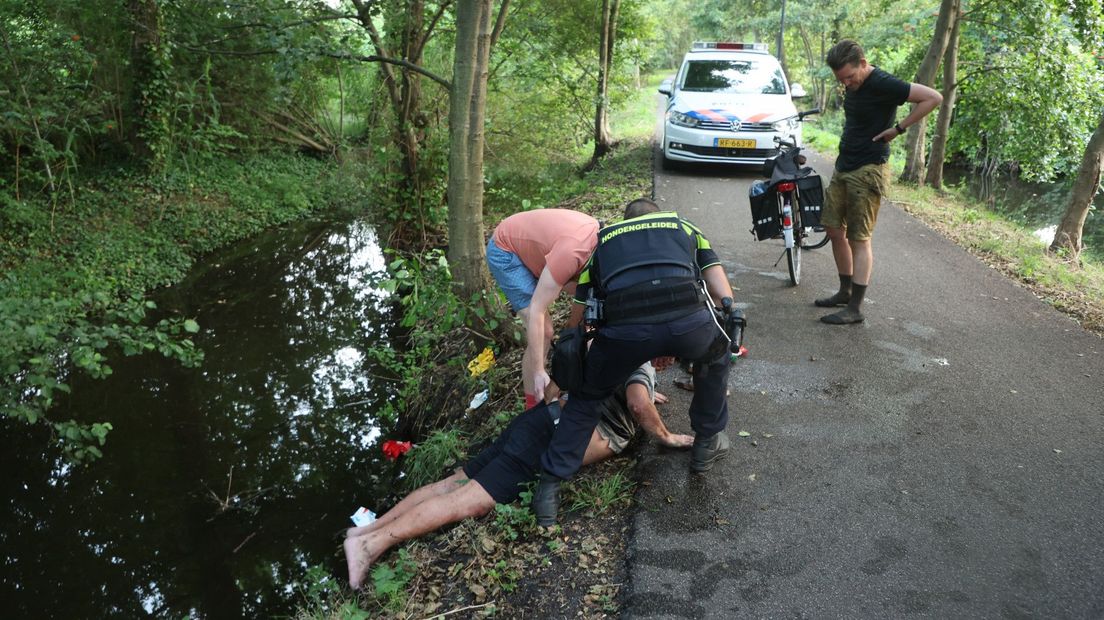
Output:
x=702 y=46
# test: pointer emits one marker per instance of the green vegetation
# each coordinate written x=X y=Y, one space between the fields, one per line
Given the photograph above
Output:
x=72 y=296
x=433 y=457
x=597 y=495
x=139 y=136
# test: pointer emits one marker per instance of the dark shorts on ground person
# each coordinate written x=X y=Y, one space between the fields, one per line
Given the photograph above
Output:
x=513 y=460
x=853 y=199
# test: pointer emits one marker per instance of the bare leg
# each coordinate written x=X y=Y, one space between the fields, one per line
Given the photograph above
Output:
x=862 y=254
x=440 y=487
x=597 y=450
x=841 y=250
x=469 y=500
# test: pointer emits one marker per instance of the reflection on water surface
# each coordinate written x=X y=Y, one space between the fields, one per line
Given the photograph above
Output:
x=219 y=484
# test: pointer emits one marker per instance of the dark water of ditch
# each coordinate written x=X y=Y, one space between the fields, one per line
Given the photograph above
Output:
x=219 y=485
x=1037 y=206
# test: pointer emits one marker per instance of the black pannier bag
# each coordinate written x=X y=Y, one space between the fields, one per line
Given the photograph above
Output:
x=764 y=215
x=811 y=197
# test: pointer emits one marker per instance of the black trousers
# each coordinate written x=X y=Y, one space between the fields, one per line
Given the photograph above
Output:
x=617 y=351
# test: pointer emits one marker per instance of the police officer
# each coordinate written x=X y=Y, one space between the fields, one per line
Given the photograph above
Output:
x=650 y=288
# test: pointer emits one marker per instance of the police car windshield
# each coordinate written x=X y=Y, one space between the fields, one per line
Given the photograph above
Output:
x=734 y=76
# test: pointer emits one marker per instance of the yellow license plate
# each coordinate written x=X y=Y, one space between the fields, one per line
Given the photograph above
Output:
x=733 y=143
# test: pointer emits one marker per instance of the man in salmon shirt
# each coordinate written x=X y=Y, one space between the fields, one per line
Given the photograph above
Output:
x=533 y=255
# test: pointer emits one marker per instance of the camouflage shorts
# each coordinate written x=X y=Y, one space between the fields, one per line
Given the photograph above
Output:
x=853 y=198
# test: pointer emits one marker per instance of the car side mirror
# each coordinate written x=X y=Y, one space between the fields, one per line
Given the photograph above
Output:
x=665 y=86
x=797 y=91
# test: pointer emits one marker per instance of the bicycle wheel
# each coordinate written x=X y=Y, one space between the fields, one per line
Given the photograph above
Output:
x=815 y=237
x=793 y=261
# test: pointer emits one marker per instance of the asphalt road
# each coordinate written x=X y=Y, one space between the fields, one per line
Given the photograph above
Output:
x=942 y=460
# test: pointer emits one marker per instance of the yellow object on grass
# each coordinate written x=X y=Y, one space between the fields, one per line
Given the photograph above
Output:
x=482 y=362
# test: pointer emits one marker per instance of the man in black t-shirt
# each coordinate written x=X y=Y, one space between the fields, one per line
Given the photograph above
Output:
x=862 y=172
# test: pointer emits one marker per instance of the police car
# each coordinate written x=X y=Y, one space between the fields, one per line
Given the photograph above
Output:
x=726 y=104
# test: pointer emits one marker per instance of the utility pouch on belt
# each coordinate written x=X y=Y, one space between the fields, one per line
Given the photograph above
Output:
x=654 y=301
x=569 y=358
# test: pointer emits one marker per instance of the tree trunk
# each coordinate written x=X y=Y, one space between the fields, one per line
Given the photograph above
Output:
x=405 y=95
x=817 y=87
x=150 y=60
x=467 y=102
x=603 y=137
x=914 y=148
x=1085 y=187
x=934 y=177
x=410 y=113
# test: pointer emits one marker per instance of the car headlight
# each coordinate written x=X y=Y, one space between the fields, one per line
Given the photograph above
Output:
x=682 y=120
x=789 y=124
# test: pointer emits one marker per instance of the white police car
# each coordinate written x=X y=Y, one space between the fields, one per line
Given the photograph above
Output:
x=726 y=104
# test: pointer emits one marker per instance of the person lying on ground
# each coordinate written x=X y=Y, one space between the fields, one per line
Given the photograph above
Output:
x=501 y=472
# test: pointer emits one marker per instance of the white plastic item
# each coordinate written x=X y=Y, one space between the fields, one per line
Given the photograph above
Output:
x=363 y=517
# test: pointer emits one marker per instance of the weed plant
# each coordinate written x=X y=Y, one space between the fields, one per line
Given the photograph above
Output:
x=432 y=457
x=595 y=492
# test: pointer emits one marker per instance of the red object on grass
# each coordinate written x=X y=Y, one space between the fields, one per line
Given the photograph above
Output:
x=394 y=449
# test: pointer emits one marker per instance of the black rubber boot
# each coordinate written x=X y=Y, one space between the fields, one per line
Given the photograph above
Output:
x=841 y=298
x=708 y=451
x=851 y=314
x=546 y=500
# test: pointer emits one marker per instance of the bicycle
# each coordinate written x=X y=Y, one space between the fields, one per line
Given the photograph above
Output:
x=773 y=202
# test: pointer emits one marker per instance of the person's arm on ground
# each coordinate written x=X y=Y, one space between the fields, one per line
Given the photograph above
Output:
x=647 y=416
x=537 y=332
x=926 y=100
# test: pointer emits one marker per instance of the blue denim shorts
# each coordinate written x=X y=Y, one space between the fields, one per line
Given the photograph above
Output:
x=512 y=276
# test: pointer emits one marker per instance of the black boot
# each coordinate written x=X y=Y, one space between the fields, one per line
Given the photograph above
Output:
x=546 y=500
x=841 y=298
x=708 y=451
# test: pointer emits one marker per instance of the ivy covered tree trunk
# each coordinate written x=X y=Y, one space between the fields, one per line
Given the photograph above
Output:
x=603 y=137
x=1085 y=187
x=405 y=44
x=914 y=148
x=934 y=176
x=467 y=104
x=149 y=135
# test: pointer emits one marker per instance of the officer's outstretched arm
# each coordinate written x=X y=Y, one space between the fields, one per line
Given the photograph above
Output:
x=717 y=282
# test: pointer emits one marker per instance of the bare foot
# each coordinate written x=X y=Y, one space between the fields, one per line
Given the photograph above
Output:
x=359 y=557
x=360 y=530
x=677 y=441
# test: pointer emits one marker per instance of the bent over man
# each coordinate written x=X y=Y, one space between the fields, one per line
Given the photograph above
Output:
x=861 y=178
x=533 y=255
x=501 y=471
x=644 y=288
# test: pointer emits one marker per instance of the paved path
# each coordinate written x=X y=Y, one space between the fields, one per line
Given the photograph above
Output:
x=943 y=460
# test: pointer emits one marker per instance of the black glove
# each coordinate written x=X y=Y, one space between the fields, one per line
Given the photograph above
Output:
x=734 y=324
